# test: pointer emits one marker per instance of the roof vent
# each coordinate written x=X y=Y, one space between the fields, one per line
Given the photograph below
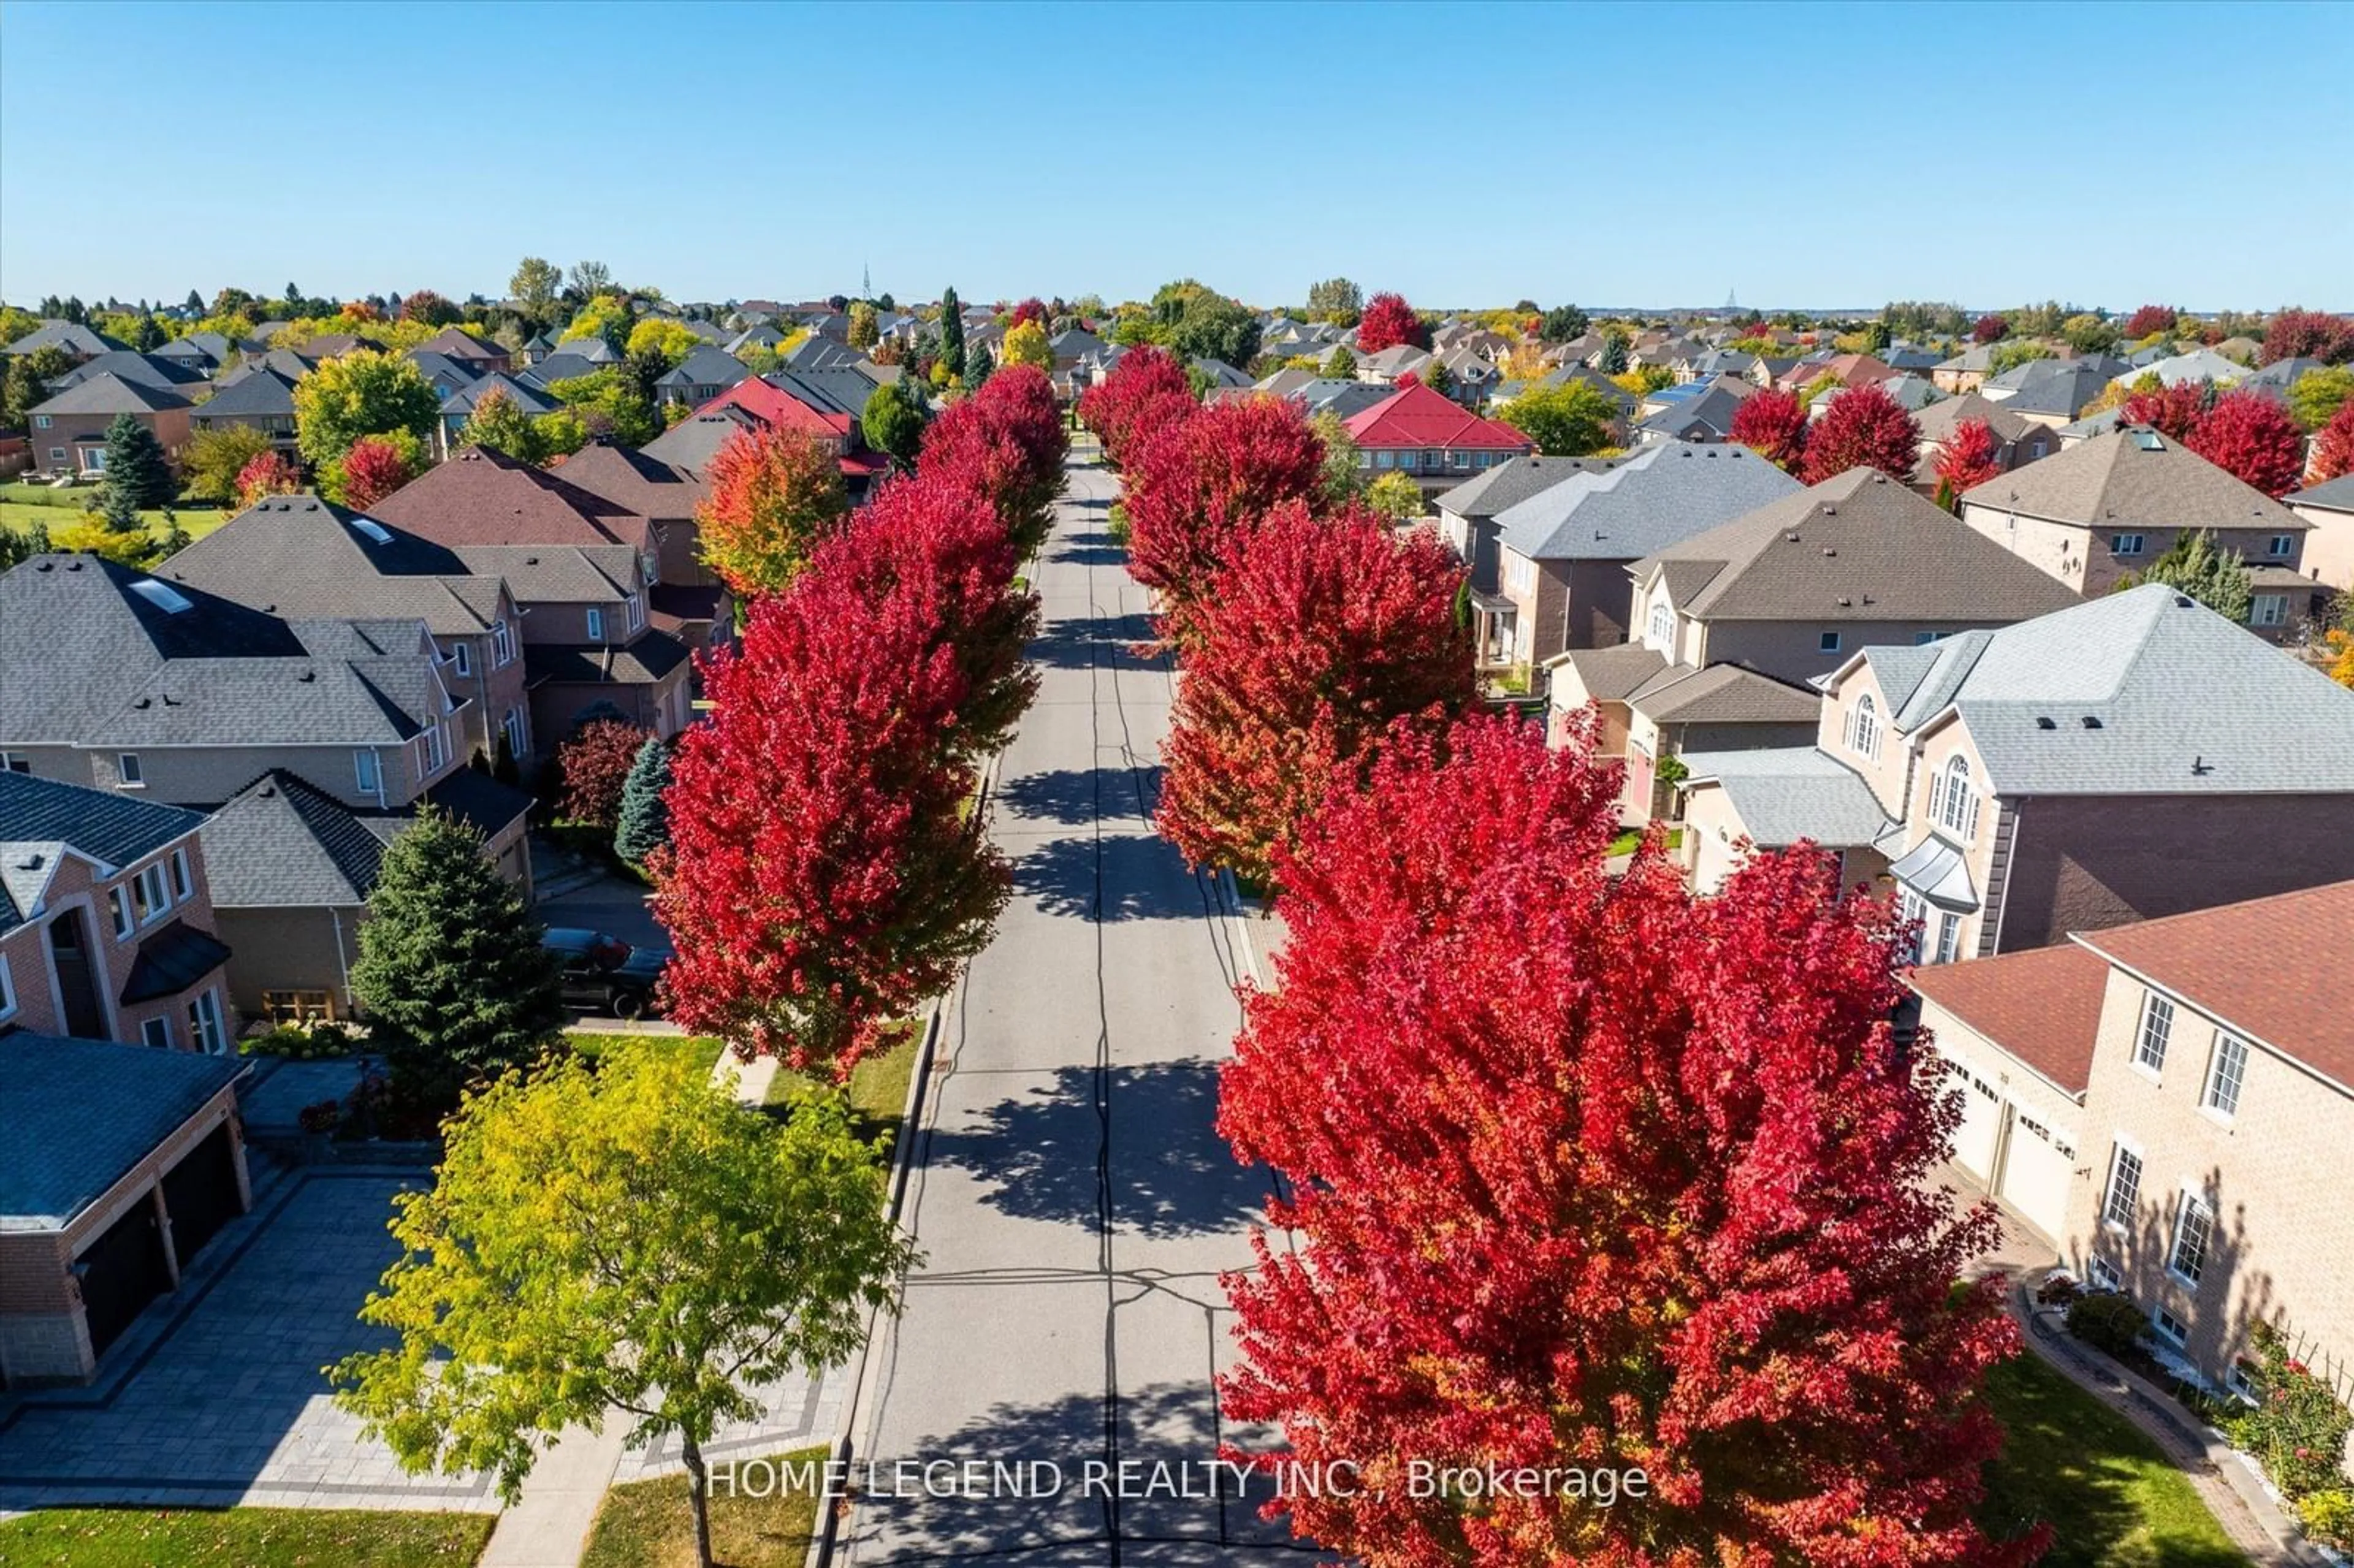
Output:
x=2090 y=722
x=143 y=703
x=307 y=676
x=1830 y=508
x=1829 y=551
x=47 y=567
x=1790 y=538
x=2045 y=721
x=2182 y=602
x=2200 y=765
x=74 y=565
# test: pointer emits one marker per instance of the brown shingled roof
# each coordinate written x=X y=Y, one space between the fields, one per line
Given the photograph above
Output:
x=485 y=497
x=2043 y=1006
x=2281 y=969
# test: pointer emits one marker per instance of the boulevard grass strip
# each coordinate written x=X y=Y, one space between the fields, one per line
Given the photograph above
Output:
x=241 y=1538
x=2113 y=1498
x=648 y=1524
x=878 y=1085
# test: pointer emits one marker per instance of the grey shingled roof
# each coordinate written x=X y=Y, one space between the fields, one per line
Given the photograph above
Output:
x=1857 y=547
x=1784 y=794
x=653 y=656
x=706 y=366
x=1708 y=414
x=1667 y=492
x=283 y=841
x=71 y=336
x=1512 y=481
x=555 y=574
x=466 y=399
x=2060 y=386
x=2184 y=703
x=299 y=557
x=144 y=369
x=1723 y=694
x=82 y=1113
x=260 y=393
x=2133 y=478
x=1609 y=674
x=40 y=819
x=111 y=394
x=2330 y=495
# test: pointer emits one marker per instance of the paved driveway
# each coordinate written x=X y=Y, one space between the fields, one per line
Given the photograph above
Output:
x=1073 y=1200
x=230 y=1404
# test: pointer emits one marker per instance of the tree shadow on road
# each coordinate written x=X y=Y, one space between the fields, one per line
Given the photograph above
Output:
x=1142 y=879
x=1097 y=642
x=1164 y=1171
x=1078 y=795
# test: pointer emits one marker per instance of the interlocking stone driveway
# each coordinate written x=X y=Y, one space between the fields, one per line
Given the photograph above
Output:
x=231 y=1406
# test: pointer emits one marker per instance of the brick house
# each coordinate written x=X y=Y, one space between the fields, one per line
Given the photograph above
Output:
x=68 y=430
x=2167 y=1101
x=2134 y=757
x=2329 y=512
x=106 y=919
x=1432 y=439
x=2017 y=441
x=686 y=600
x=262 y=399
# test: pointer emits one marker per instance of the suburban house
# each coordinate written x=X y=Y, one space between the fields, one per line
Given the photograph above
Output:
x=1966 y=371
x=686 y=599
x=306 y=559
x=458 y=344
x=2052 y=391
x=1431 y=438
x=2019 y=440
x=1692 y=411
x=2327 y=510
x=106 y=919
x=1563 y=554
x=826 y=403
x=2168 y=1102
x=580 y=568
x=2127 y=759
x=1384 y=367
x=69 y=428
x=146 y=369
x=205 y=350
x=100 y=1213
x=700 y=377
x=459 y=404
x=1732 y=625
x=81 y=341
x=261 y=400
x=1468 y=513
x=2101 y=509
x=447 y=375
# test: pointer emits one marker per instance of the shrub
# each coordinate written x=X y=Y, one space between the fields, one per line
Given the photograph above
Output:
x=2057 y=1290
x=2328 y=1517
x=2297 y=1430
x=324 y=1115
x=2107 y=1320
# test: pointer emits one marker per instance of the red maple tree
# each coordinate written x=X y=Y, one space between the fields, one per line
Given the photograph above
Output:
x=1324 y=637
x=1773 y=424
x=2150 y=321
x=2308 y=334
x=1201 y=483
x=1863 y=427
x=2251 y=436
x=1990 y=328
x=371 y=471
x=1970 y=456
x=265 y=473
x=1004 y=444
x=1146 y=390
x=593 y=764
x=2333 y=446
x=2173 y=411
x=1389 y=321
x=1029 y=309
x=1584 y=1172
x=773 y=494
x=821 y=880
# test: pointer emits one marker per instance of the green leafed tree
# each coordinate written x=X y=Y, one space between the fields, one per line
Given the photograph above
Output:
x=620 y=1238
x=19 y=545
x=363 y=393
x=1335 y=299
x=2195 y=566
x=1562 y=323
x=644 y=825
x=1341 y=365
x=27 y=384
x=1344 y=479
x=1395 y=497
x=951 y=332
x=894 y=420
x=499 y=423
x=2317 y=395
x=1568 y=420
x=213 y=459
x=451 y=974
x=862 y=325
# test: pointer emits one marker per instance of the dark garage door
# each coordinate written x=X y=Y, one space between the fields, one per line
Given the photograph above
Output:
x=201 y=1194
x=121 y=1272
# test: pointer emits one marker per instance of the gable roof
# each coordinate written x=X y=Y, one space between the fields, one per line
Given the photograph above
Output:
x=71 y=336
x=282 y=840
x=2133 y=477
x=1418 y=417
x=706 y=366
x=691 y=444
x=1786 y=794
x=2330 y=495
x=1937 y=420
x=303 y=557
x=1635 y=507
x=467 y=398
x=259 y=393
x=2182 y=702
x=63 y=1158
x=2060 y=386
x=485 y=497
x=1723 y=694
x=1705 y=414
x=1512 y=481
x=143 y=369
x=775 y=405
x=40 y=819
x=1857 y=547
x=636 y=482
x=2042 y=1006
x=2232 y=963
x=460 y=345
x=111 y=394
x=556 y=368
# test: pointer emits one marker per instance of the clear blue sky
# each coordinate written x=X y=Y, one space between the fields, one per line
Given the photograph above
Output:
x=1463 y=154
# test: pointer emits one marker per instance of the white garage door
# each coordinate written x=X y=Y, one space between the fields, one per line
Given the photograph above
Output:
x=1981 y=1121
x=2037 y=1172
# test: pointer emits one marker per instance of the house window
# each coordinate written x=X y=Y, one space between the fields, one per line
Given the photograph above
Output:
x=2268 y=610
x=149 y=898
x=1923 y=638
x=2157 y=1027
x=1486 y=459
x=1864 y=727
x=1385 y=460
x=7 y=989
x=1828 y=642
x=1916 y=911
x=1949 y=937
x=512 y=727
x=118 y=906
x=2226 y=1070
x=127 y=771
x=15 y=762
x=157 y=1031
x=41 y=422
x=595 y=625
x=1663 y=625
x=93 y=460
x=502 y=645
x=2102 y=1276
x=2124 y=544
x=435 y=747
x=364 y=771
x=1460 y=460
x=2169 y=1328
x=1954 y=800
x=184 y=882
x=205 y=1024
x=2124 y=1188
x=57 y=456
x=636 y=608
x=462 y=659
x=2194 y=1226
x=2279 y=545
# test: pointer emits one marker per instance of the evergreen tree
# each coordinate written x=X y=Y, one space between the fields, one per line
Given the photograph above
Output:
x=455 y=983
x=644 y=824
x=951 y=332
x=23 y=543
x=146 y=335
x=135 y=464
x=195 y=303
x=2217 y=578
x=978 y=368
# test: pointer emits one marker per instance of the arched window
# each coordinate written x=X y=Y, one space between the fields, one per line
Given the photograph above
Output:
x=1663 y=626
x=1864 y=727
x=1953 y=799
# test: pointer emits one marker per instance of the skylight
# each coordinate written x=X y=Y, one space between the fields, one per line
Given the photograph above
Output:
x=162 y=597
x=2149 y=440
x=372 y=529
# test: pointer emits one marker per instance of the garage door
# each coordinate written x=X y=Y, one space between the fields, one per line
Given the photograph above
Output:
x=120 y=1273
x=201 y=1194
x=1981 y=1122
x=2037 y=1173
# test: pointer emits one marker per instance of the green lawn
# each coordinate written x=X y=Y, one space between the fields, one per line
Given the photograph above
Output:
x=878 y=1085
x=1626 y=841
x=241 y=1538
x=648 y=1524
x=2111 y=1497
x=57 y=508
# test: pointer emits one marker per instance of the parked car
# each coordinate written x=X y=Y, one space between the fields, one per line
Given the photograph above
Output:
x=604 y=974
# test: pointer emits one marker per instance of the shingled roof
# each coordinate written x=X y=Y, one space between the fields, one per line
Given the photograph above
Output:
x=111 y=394
x=485 y=497
x=1512 y=481
x=2133 y=478
x=63 y=1158
x=303 y=557
x=1666 y=492
x=41 y=819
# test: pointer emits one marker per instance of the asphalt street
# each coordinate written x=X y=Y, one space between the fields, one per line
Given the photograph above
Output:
x=1071 y=1195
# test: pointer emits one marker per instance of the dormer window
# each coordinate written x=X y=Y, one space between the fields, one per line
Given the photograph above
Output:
x=1663 y=625
x=1864 y=727
x=1953 y=799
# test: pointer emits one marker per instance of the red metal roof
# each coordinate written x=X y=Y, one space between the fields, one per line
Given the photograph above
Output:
x=779 y=407
x=1418 y=417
